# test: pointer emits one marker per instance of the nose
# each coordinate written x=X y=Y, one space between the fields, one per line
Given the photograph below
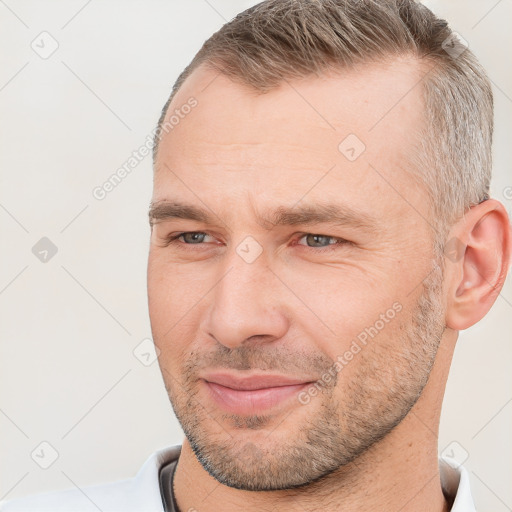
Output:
x=246 y=305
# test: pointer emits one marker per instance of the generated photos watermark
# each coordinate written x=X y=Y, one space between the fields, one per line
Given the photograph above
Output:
x=357 y=344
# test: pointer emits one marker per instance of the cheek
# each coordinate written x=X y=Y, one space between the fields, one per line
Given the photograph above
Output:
x=357 y=322
x=345 y=298
x=176 y=296
x=373 y=350
x=171 y=287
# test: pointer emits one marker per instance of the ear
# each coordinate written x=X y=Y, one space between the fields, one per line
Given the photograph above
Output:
x=476 y=264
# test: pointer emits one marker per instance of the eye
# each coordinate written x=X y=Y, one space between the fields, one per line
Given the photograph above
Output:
x=313 y=240
x=187 y=238
x=193 y=237
x=322 y=242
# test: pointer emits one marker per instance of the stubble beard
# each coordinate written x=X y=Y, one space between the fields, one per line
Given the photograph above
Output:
x=258 y=456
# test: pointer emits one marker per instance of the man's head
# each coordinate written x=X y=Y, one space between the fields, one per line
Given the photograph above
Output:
x=330 y=151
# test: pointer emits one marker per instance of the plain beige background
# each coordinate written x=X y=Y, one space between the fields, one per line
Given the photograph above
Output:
x=68 y=372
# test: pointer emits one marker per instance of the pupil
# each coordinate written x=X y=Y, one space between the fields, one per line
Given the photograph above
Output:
x=193 y=237
x=317 y=239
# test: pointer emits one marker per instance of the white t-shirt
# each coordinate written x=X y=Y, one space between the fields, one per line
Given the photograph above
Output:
x=142 y=492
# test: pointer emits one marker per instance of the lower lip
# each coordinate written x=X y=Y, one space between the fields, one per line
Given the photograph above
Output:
x=254 y=401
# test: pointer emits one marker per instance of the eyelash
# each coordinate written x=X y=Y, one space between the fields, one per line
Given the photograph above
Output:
x=173 y=240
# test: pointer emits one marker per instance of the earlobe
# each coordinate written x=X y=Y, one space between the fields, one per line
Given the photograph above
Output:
x=476 y=276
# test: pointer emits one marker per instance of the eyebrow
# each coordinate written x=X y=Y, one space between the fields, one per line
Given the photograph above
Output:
x=306 y=214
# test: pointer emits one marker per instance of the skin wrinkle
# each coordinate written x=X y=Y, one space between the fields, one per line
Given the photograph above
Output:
x=303 y=214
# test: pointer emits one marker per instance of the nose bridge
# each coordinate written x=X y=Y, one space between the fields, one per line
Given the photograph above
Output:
x=245 y=300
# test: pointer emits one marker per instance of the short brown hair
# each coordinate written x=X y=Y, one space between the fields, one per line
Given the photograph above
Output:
x=278 y=40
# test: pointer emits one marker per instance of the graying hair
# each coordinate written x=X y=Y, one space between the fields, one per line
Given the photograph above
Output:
x=279 y=40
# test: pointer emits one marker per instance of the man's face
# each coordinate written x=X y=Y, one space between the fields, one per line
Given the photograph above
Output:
x=288 y=348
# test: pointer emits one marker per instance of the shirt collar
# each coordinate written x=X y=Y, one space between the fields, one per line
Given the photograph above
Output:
x=455 y=483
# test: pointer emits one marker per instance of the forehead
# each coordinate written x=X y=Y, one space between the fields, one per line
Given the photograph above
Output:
x=370 y=100
x=348 y=134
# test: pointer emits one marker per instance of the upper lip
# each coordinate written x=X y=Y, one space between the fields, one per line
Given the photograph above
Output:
x=252 y=382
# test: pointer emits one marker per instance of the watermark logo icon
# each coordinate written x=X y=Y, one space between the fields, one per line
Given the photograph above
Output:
x=351 y=147
x=249 y=249
x=454 y=249
x=456 y=453
x=454 y=45
x=45 y=45
x=44 y=455
x=44 y=250
x=146 y=352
